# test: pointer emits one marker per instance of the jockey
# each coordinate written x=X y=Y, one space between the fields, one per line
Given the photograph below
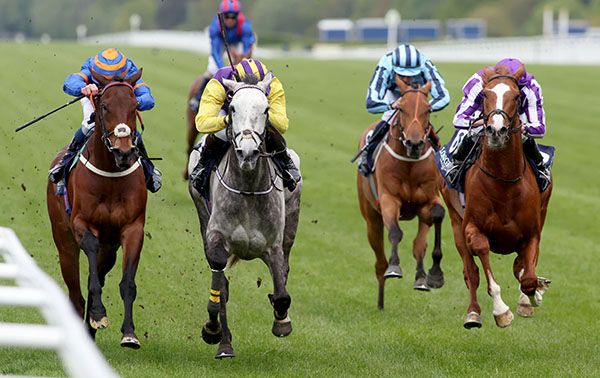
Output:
x=238 y=30
x=212 y=120
x=108 y=63
x=531 y=113
x=413 y=68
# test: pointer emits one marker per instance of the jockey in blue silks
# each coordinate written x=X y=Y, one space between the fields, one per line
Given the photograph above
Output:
x=414 y=68
x=238 y=30
x=109 y=63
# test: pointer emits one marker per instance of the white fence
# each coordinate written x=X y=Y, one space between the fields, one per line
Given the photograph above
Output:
x=583 y=49
x=64 y=331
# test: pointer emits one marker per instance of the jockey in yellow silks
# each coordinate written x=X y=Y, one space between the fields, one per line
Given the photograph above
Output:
x=212 y=120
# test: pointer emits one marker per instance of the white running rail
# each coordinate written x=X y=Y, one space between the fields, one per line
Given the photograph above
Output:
x=64 y=331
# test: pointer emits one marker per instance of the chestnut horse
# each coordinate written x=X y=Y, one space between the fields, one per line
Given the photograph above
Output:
x=107 y=196
x=505 y=210
x=405 y=186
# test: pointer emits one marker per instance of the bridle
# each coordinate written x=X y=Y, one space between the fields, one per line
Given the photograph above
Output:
x=121 y=130
x=511 y=119
x=402 y=138
x=247 y=133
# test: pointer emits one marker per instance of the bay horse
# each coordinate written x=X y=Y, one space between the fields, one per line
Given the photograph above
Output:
x=107 y=196
x=504 y=209
x=250 y=216
x=404 y=185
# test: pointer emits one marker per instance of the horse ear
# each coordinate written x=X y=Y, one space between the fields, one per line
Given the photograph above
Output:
x=427 y=87
x=520 y=72
x=486 y=75
x=134 y=78
x=100 y=79
x=402 y=85
x=264 y=83
x=232 y=85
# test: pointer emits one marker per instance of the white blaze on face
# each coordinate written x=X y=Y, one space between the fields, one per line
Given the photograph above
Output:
x=500 y=90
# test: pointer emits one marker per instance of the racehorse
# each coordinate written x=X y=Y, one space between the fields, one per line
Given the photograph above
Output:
x=106 y=196
x=504 y=209
x=249 y=216
x=403 y=186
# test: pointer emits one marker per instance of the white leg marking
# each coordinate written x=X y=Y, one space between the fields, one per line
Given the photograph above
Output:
x=494 y=290
x=524 y=300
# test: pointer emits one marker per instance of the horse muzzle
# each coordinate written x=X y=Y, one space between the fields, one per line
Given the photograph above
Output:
x=247 y=154
x=125 y=158
x=414 y=148
x=496 y=137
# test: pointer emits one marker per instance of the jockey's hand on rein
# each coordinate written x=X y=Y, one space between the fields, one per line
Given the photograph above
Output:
x=90 y=89
x=396 y=104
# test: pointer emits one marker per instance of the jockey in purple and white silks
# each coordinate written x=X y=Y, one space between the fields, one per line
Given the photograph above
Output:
x=412 y=67
x=531 y=113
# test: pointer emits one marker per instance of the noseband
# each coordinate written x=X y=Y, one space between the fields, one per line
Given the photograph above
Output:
x=121 y=130
x=511 y=119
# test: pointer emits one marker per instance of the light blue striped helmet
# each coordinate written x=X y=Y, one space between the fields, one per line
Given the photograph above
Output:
x=407 y=60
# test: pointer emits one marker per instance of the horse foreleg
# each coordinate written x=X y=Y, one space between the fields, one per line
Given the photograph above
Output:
x=528 y=279
x=132 y=239
x=96 y=312
x=280 y=299
x=225 y=349
x=216 y=255
x=480 y=246
x=390 y=211
x=435 y=277
x=419 y=247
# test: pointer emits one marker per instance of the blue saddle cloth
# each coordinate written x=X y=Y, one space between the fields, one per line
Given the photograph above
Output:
x=444 y=159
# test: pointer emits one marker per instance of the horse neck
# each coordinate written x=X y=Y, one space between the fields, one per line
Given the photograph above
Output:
x=98 y=153
x=507 y=162
x=255 y=180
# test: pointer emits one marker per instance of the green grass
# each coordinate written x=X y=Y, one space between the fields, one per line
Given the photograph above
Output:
x=337 y=327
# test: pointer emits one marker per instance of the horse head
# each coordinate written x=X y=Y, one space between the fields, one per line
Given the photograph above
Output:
x=412 y=126
x=248 y=115
x=501 y=102
x=116 y=107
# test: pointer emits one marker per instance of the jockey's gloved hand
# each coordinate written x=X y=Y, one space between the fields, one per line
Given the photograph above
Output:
x=227 y=119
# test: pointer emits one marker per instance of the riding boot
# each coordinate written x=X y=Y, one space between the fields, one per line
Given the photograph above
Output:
x=366 y=162
x=533 y=154
x=56 y=173
x=194 y=103
x=275 y=144
x=212 y=152
x=461 y=154
x=152 y=175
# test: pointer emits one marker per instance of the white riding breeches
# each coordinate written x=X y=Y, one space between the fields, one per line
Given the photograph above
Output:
x=88 y=109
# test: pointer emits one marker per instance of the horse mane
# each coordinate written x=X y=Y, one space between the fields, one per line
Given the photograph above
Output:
x=250 y=79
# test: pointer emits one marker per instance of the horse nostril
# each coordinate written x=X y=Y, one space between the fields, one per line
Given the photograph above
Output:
x=420 y=144
x=503 y=130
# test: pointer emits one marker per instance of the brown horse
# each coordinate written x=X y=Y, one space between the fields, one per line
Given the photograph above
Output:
x=404 y=186
x=107 y=195
x=504 y=211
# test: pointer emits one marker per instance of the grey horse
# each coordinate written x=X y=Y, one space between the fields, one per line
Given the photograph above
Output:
x=250 y=215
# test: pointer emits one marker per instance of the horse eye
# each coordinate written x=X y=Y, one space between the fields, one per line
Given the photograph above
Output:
x=232 y=109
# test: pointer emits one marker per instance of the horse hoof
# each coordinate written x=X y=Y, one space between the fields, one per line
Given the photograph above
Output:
x=505 y=319
x=525 y=310
x=435 y=280
x=282 y=328
x=472 y=320
x=393 y=271
x=99 y=324
x=130 y=341
x=225 y=351
x=211 y=336
x=421 y=284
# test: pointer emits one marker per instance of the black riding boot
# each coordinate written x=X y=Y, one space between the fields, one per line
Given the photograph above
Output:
x=57 y=172
x=153 y=176
x=434 y=138
x=212 y=152
x=533 y=154
x=194 y=103
x=366 y=162
x=275 y=144
x=462 y=152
